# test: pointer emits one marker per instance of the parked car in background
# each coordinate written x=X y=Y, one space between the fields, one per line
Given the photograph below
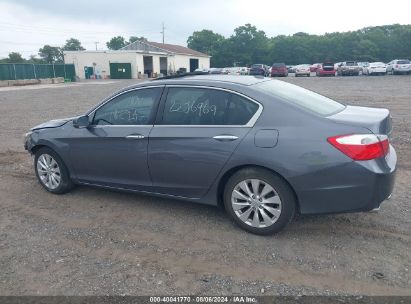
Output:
x=259 y=69
x=224 y=141
x=243 y=70
x=362 y=65
x=350 y=68
x=326 y=69
x=336 y=65
x=225 y=70
x=216 y=71
x=302 y=70
x=291 y=68
x=237 y=71
x=202 y=70
x=279 y=69
x=399 y=66
x=314 y=67
x=375 y=68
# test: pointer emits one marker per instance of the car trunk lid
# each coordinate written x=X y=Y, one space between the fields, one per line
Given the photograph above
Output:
x=377 y=120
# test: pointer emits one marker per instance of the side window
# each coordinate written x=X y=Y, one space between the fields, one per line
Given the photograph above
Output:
x=132 y=108
x=239 y=110
x=198 y=106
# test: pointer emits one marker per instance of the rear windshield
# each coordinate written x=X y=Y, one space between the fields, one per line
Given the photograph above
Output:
x=301 y=97
x=257 y=66
x=276 y=65
x=351 y=63
x=403 y=61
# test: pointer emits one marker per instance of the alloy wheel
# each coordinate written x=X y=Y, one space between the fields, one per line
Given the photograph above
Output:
x=256 y=203
x=48 y=171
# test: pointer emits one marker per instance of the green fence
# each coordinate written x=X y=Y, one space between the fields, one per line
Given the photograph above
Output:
x=13 y=71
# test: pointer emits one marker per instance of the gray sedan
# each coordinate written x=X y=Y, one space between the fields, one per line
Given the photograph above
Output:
x=262 y=149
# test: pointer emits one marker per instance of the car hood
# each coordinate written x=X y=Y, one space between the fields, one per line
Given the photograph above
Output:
x=53 y=123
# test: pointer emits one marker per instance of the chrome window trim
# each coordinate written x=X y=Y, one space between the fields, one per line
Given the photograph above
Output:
x=121 y=126
x=203 y=126
x=249 y=124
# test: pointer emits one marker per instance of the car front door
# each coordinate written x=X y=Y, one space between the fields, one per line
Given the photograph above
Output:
x=199 y=130
x=112 y=151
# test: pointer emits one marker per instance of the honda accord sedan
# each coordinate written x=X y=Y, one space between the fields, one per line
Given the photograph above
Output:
x=262 y=149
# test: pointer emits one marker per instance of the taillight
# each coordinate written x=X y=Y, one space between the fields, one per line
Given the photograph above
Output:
x=361 y=146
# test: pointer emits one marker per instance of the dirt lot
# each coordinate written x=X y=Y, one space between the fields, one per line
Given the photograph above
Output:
x=97 y=242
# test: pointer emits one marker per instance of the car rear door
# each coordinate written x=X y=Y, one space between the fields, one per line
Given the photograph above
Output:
x=198 y=130
x=112 y=151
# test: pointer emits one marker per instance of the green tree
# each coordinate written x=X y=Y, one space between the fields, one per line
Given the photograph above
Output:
x=210 y=43
x=250 y=45
x=135 y=38
x=116 y=43
x=34 y=59
x=51 y=54
x=366 y=50
x=14 y=57
x=73 y=44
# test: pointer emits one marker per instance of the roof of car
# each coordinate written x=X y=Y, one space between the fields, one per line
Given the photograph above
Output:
x=234 y=79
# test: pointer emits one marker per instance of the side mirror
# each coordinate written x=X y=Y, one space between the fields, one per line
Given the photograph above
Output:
x=81 y=122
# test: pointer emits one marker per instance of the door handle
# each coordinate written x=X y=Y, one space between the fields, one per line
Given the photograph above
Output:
x=135 y=136
x=225 y=137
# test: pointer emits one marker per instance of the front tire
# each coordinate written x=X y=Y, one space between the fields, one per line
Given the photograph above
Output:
x=51 y=171
x=259 y=201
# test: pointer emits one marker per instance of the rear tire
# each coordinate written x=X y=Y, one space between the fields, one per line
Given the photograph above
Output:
x=51 y=171
x=259 y=201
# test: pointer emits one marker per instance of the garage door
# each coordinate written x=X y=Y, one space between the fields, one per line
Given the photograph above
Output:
x=120 y=70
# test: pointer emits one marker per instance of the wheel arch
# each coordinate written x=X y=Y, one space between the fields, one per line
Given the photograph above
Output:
x=48 y=145
x=223 y=181
x=35 y=148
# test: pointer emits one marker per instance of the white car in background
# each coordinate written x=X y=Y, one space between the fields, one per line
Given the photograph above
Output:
x=363 y=66
x=205 y=70
x=236 y=71
x=302 y=70
x=375 y=68
x=399 y=66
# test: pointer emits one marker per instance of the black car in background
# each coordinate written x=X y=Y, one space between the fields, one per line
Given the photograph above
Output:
x=259 y=69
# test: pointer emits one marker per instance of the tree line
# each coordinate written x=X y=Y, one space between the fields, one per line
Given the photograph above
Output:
x=248 y=45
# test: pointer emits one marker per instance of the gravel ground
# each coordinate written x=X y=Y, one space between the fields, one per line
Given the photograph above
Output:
x=98 y=242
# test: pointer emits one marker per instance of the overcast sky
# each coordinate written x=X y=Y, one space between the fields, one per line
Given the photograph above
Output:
x=26 y=25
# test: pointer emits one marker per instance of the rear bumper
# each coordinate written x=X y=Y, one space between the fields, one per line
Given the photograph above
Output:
x=377 y=71
x=401 y=70
x=350 y=72
x=325 y=73
x=353 y=187
x=279 y=73
x=257 y=72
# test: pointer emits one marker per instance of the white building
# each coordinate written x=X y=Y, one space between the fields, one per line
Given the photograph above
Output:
x=135 y=60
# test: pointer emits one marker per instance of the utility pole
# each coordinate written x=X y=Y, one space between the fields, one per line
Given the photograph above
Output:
x=96 y=42
x=163 y=32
